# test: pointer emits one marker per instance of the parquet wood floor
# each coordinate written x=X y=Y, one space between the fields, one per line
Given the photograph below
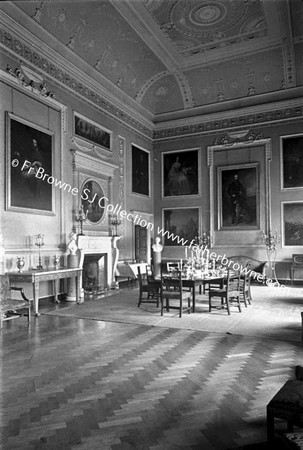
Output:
x=80 y=384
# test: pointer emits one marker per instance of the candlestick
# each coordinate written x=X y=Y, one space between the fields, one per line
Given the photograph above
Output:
x=115 y=222
x=81 y=217
x=39 y=242
x=271 y=241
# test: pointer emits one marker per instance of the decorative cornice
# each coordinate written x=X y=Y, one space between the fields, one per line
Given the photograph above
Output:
x=232 y=120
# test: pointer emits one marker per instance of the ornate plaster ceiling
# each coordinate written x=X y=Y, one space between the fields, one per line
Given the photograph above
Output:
x=175 y=56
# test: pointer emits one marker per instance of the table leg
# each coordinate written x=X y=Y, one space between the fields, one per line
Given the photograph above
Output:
x=56 y=290
x=78 y=279
x=194 y=297
x=36 y=297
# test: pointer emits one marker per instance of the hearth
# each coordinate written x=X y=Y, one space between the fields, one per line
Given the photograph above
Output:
x=93 y=274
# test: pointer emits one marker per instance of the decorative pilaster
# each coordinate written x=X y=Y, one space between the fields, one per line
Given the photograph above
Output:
x=115 y=240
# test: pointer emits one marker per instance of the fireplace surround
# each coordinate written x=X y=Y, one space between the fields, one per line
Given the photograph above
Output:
x=97 y=247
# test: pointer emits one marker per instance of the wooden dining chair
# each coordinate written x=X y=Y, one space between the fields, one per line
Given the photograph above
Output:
x=229 y=293
x=245 y=289
x=173 y=266
x=11 y=307
x=172 y=294
x=149 y=289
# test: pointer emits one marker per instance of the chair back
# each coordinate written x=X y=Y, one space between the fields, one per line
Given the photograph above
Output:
x=173 y=266
x=4 y=287
x=172 y=283
x=142 y=277
x=233 y=282
x=150 y=274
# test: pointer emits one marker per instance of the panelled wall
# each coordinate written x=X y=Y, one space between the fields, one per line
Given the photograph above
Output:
x=20 y=224
x=257 y=147
x=249 y=139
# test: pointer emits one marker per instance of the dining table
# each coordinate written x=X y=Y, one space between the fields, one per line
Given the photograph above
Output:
x=194 y=282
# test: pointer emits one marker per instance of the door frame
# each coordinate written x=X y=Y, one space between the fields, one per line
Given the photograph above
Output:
x=149 y=218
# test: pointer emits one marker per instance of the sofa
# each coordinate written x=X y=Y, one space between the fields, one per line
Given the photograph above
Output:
x=253 y=264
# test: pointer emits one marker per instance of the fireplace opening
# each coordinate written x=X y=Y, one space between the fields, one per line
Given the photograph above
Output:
x=94 y=273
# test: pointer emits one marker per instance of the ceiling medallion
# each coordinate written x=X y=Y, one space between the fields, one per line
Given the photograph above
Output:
x=207 y=14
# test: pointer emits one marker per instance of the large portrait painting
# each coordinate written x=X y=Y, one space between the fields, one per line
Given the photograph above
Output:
x=140 y=171
x=93 y=201
x=180 y=173
x=92 y=132
x=181 y=224
x=29 y=167
x=238 y=197
x=292 y=223
x=292 y=161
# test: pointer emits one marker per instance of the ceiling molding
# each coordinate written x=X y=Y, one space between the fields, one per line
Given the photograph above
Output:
x=228 y=106
x=262 y=114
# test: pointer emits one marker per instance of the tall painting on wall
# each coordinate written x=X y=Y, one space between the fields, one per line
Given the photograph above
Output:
x=292 y=223
x=140 y=171
x=238 y=196
x=29 y=167
x=180 y=225
x=180 y=173
x=292 y=161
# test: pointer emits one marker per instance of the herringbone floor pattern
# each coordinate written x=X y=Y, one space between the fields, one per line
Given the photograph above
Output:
x=70 y=383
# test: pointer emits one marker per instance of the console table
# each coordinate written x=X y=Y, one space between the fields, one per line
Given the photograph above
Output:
x=35 y=276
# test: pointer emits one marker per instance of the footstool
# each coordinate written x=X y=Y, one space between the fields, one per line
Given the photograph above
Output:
x=287 y=404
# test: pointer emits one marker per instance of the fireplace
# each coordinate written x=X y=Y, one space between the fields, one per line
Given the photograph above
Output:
x=98 y=259
x=93 y=273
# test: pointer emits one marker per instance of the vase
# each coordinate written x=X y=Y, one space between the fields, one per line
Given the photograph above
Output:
x=20 y=263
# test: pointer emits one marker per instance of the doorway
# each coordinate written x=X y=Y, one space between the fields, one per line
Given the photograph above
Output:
x=140 y=243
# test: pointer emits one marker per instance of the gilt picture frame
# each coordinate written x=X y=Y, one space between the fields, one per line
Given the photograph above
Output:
x=140 y=171
x=238 y=197
x=93 y=201
x=181 y=224
x=291 y=154
x=180 y=173
x=30 y=162
x=92 y=132
x=292 y=223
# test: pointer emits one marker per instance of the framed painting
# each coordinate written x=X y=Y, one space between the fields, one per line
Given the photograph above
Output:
x=92 y=132
x=180 y=225
x=238 y=197
x=29 y=167
x=292 y=224
x=93 y=201
x=180 y=173
x=140 y=171
x=291 y=150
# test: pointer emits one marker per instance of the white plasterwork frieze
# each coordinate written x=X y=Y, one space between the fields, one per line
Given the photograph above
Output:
x=91 y=149
x=91 y=163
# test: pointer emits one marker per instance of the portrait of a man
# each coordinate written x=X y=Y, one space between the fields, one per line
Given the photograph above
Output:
x=32 y=148
x=238 y=197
